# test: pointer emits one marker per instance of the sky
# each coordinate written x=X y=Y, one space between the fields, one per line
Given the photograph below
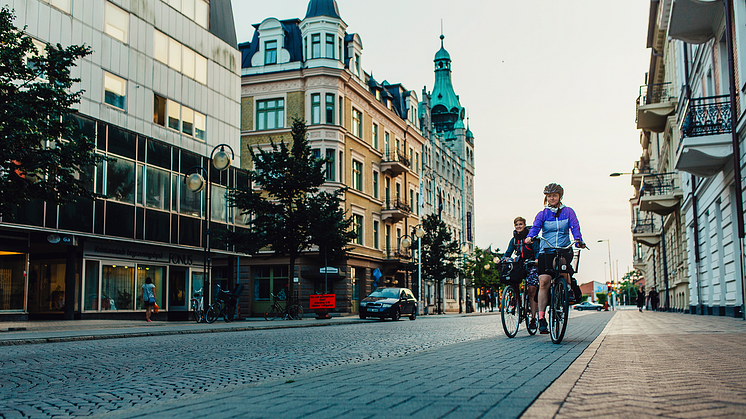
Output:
x=550 y=89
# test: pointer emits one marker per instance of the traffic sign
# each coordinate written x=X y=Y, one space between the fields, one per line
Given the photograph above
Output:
x=328 y=270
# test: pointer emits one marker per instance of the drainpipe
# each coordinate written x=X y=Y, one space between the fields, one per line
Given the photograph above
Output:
x=734 y=136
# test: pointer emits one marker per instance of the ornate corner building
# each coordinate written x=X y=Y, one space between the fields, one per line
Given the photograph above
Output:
x=400 y=157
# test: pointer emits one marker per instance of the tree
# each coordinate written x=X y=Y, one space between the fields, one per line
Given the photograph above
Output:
x=439 y=252
x=289 y=214
x=43 y=156
x=474 y=268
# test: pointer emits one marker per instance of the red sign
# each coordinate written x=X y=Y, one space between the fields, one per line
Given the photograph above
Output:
x=322 y=301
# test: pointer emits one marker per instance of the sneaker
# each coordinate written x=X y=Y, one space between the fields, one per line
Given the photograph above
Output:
x=148 y=320
x=532 y=324
x=543 y=326
x=571 y=296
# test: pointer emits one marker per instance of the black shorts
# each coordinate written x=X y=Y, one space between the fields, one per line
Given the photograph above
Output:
x=546 y=260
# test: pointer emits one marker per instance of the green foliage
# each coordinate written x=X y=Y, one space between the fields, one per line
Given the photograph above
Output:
x=601 y=297
x=440 y=253
x=289 y=214
x=42 y=156
x=474 y=269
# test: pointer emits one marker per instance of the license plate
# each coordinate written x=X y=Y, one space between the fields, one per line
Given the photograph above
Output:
x=372 y=309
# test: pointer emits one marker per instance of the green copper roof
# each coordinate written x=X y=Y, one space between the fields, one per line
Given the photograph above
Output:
x=322 y=8
x=443 y=94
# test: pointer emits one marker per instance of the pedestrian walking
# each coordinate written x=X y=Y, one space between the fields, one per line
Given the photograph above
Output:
x=654 y=300
x=148 y=297
x=640 y=299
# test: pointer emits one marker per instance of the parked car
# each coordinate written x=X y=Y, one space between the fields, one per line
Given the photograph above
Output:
x=587 y=305
x=389 y=302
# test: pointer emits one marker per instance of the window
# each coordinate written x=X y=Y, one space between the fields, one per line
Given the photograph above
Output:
x=34 y=55
x=386 y=143
x=187 y=8
x=270 y=114
x=357 y=175
x=339 y=48
x=115 y=89
x=159 y=110
x=341 y=166
x=330 y=164
x=375 y=136
x=376 y=233
x=120 y=180
x=157 y=188
x=357 y=123
x=357 y=225
x=202 y=13
x=200 y=71
x=330 y=109
x=341 y=103
x=316 y=45
x=200 y=126
x=330 y=46
x=116 y=22
x=316 y=108
x=375 y=184
x=187 y=121
x=188 y=62
x=174 y=115
x=270 y=52
x=160 y=43
x=178 y=117
x=357 y=65
x=316 y=153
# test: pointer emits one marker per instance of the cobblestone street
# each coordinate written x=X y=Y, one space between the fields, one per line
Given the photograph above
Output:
x=449 y=364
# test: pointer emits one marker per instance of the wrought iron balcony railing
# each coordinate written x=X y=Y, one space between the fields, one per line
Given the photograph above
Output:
x=644 y=225
x=655 y=184
x=707 y=116
x=655 y=93
x=394 y=154
x=397 y=204
x=398 y=252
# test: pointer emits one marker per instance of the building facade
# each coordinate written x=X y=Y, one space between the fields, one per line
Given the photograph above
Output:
x=160 y=92
x=691 y=116
x=376 y=138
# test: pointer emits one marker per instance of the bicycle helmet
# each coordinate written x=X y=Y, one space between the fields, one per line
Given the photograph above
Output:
x=554 y=188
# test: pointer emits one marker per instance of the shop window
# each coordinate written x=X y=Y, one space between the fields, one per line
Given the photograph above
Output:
x=91 y=298
x=357 y=175
x=118 y=287
x=316 y=108
x=270 y=114
x=330 y=46
x=12 y=280
x=120 y=220
x=157 y=275
x=270 y=52
x=115 y=89
x=116 y=22
x=120 y=180
x=270 y=279
x=330 y=109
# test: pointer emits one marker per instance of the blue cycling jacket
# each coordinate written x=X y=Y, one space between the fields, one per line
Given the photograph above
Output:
x=555 y=225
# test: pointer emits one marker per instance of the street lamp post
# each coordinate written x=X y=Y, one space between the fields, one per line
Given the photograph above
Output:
x=418 y=232
x=462 y=280
x=194 y=179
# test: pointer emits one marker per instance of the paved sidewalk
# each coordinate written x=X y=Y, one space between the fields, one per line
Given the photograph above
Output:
x=654 y=364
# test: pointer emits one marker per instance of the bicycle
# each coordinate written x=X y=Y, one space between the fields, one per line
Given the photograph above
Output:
x=225 y=305
x=559 y=301
x=198 y=307
x=515 y=307
x=289 y=312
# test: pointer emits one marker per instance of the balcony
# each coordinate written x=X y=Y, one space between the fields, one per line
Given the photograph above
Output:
x=638 y=263
x=645 y=232
x=695 y=21
x=395 y=210
x=659 y=193
x=395 y=162
x=398 y=253
x=706 y=143
x=655 y=104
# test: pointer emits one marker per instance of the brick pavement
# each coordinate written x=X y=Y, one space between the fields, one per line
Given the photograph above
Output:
x=654 y=364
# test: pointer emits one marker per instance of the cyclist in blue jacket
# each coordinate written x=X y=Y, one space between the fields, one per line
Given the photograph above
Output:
x=556 y=222
x=525 y=252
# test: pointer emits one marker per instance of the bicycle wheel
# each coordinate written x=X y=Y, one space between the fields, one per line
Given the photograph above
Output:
x=296 y=312
x=510 y=311
x=196 y=315
x=558 y=310
x=272 y=313
x=213 y=312
x=527 y=314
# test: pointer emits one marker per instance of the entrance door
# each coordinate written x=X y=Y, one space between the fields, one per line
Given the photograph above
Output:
x=177 y=289
x=46 y=286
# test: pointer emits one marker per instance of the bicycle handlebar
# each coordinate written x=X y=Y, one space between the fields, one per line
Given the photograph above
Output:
x=568 y=247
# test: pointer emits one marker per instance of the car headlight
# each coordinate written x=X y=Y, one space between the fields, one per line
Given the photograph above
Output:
x=384 y=305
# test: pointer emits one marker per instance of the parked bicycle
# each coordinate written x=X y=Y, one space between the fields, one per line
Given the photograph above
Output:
x=224 y=305
x=289 y=312
x=198 y=306
x=514 y=307
x=559 y=299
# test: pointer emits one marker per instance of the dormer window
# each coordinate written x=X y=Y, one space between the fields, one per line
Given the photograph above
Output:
x=357 y=65
x=378 y=95
x=388 y=103
x=316 y=45
x=270 y=52
x=330 y=46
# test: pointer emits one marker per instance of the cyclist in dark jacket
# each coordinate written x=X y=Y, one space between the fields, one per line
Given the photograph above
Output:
x=525 y=252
